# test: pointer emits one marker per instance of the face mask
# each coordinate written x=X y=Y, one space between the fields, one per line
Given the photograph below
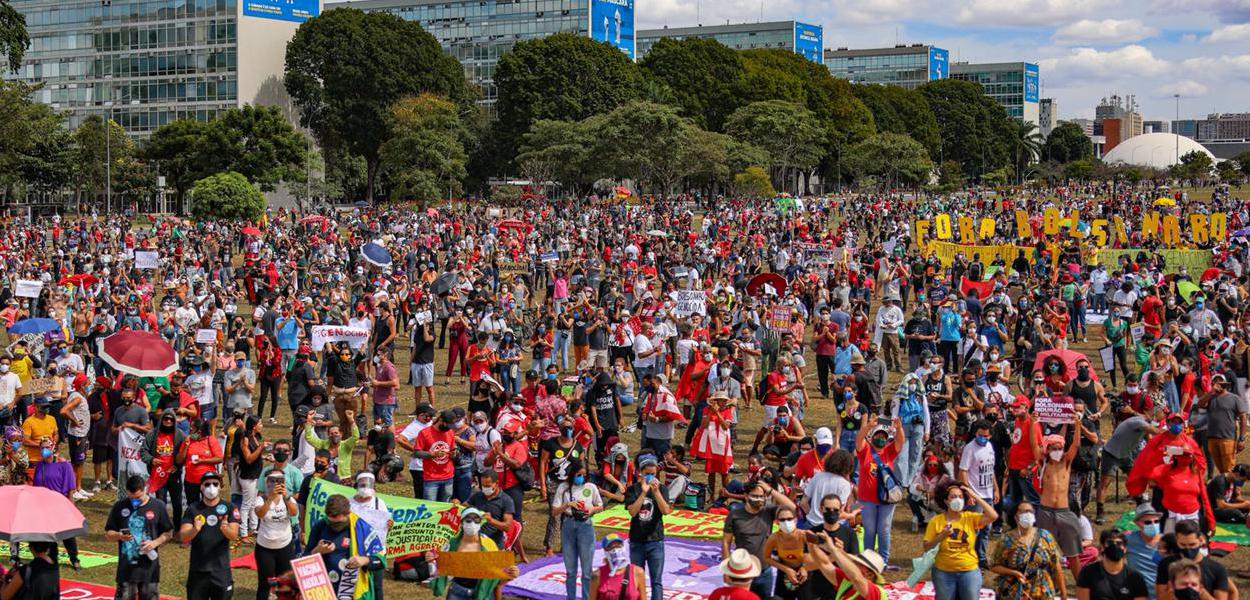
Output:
x=281 y=457
x=1150 y=530
x=1176 y=428
x=4 y=368
x=443 y=427
x=1132 y=389
x=848 y=395
x=617 y=558
x=823 y=449
x=1191 y=553
x=1186 y=594
x=1113 y=552
x=783 y=421
x=1184 y=369
x=785 y=370
x=1082 y=373
x=787 y=526
x=568 y=432
x=755 y=502
x=1056 y=455
x=46 y=453
x=992 y=378
x=488 y=491
x=579 y=480
x=366 y=492
x=17 y=446
x=830 y=516
x=956 y=504
x=982 y=440
x=880 y=442
x=321 y=467
x=518 y=407
x=210 y=491
x=1026 y=520
x=725 y=372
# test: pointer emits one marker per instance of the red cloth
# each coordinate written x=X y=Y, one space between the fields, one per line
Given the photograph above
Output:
x=1152 y=456
x=984 y=289
x=432 y=440
x=1184 y=491
x=1021 y=454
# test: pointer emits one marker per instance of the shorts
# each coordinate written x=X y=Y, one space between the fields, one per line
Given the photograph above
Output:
x=101 y=455
x=208 y=412
x=77 y=450
x=599 y=359
x=1111 y=464
x=770 y=413
x=423 y=375
x=1065 y=526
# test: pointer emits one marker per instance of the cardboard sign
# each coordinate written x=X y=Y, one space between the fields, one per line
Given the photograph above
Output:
x=206 y=336
x=1107 y=355
x=312 y=578
x=508 y=268
x=28 y=288
x=550 y=257
x=780 y=318
x=41 y=386
x=1137 y=330
x=1054 y=411
x=476 y=565
x=324 y=334
x=689 y=302
x=147 y=259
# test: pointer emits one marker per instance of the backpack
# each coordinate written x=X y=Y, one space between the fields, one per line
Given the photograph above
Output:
x=889 y=490
x=695 y=496
x=910 y=412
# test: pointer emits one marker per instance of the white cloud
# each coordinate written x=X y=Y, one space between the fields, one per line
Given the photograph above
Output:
x=1021 y=13
x=1228 y=11
x=1092 y=64
x=1219 y=67
x=1229 y=33
x=1107 y=32
x=1187 y=88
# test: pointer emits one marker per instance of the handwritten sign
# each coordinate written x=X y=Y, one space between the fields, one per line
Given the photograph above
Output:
x=689 y=302
x=147 y=259
x=325 y=334
x=780 y=318
x=550 y=257
x=41 y=386
x=1054 y=411
x=1137 y=330
x=206 y=336
x=476 y=565
x=28 y=288
x=312 y=578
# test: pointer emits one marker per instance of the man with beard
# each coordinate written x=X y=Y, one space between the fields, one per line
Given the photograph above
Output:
x=350 y=549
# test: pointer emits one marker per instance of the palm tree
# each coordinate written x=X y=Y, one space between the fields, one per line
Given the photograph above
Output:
x=1027 y=144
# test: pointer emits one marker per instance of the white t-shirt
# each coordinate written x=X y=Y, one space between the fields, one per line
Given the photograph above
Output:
x=978 y=461
x=820 y=485
x=273 y=531
x=9 y=384
x=410 y=433
x=643 y=345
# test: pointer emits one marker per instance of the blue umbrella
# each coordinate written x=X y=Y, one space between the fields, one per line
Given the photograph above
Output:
x=26 y=326
x=361 y=204
x=1242 y=232
x=376 y=254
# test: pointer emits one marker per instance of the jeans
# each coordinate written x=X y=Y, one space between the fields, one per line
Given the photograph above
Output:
x=651 y=556
x=437 y=491
x=763 y=585
x=956 y=586
x=878 y=519
x=909 y=459
x=386 y=412
x=456 y=591
x=561 y=348
x=1019 y=490
x=462 y=485
x=577 y=540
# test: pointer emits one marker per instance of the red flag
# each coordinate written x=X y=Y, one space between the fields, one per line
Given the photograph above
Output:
x=983 y=288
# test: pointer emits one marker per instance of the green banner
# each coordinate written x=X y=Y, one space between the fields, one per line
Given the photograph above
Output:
x=1224 y=532
x=1194 y=261
x=419 y=525
x=87 y=558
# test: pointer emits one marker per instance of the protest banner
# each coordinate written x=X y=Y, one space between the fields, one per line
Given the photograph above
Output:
x=81 y=590
x=1107 y=354
x=550 y=257
x=312 y=578
x=28 y=288
x=476 y=565
x=679 y=523
x=816 y=254
x=1058 y=410
x=1194 y=261
x=147 y=259
x=40 y=386
x=206 y=336
x=691 y=571
x=420 y=525
x=510 y=268
x=689 y=302
x=946 y=252
x=1137 y=330
x=325 y=334
x=780 y=318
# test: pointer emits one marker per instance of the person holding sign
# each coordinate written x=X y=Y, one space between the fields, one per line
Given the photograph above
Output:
x=470 y=539
x=350 y=548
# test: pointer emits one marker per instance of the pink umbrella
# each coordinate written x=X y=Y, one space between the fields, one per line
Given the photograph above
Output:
x=313 y=219
x=139 y=353
x=1069 y=358
x=36 y=514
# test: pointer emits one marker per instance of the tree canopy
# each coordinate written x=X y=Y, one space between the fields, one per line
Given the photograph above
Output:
x=227 y=196
x=893 y=158
x=14 y=40
x=425 y=154
x=975 y=130
x=790 y=134
x=704 y=77
x=1067 y=143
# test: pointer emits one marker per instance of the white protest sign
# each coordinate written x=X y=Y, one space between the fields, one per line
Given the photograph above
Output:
x=28 y=288
x=147 y=259
x=324 y=334
x=816 y=254
x=206 y=336
x=1137 y=330
x=689 y=302
x=1054 y=411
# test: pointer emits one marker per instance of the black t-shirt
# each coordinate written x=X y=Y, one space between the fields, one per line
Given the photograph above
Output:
x=602 y=399
x=1214 y=575
x=247 y=470
x=558 y=463
x=146 y=522
x=381 y=442
x=850 y=541
x=648 y=524
x=343 y=372
x=496 y=507
x=422 y=351
x=1125 y=585
x=41 y=580
x=299 y=382
x=210 y=550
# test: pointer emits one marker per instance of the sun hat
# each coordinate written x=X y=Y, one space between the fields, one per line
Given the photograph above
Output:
x=741 y=565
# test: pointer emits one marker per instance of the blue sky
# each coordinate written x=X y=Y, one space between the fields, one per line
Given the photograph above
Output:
x=1086 y=49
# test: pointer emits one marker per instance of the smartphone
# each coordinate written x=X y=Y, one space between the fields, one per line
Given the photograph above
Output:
x=884 y=421
x=813 y=537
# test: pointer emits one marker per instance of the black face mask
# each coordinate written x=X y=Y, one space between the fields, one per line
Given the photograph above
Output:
x=1186 y=594
x=321 y=467
x=831 y=517
x=443 y=427
x=281 y=457
x=167 y=427
x=1113 y=552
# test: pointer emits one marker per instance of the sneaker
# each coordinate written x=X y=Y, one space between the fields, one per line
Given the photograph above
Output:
x=95 y=489
x=79 y=495
x=111 y=485
x=893 y=568
x=273 y=421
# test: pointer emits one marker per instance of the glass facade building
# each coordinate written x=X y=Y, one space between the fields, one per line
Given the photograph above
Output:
x=791 y=35
x=902 y=66
x=1014 y=85
x=478 y=32
x=147 y=63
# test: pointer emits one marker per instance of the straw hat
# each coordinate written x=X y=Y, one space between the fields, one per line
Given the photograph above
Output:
x=741 y=565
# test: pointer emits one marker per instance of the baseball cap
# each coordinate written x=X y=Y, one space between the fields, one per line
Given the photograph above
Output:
x=824 y=436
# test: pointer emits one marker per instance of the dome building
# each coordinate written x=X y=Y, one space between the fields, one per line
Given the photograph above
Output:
x=1155 y=150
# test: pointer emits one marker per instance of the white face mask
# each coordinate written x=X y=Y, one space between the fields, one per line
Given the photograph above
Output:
x=365 y=492
x=210 y=491
x=787 y=526
x=481 y=427
x=1056 y=455
x=956 y=504
x=1026 y=520
x=470 y=529
x=4 y=368
x=488 y=491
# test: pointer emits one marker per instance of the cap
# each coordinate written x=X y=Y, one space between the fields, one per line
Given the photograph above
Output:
x=993 y=368
x=447 y=416
x=240 y=356
x=872 y=560
x=1219 y=377
x=1022 y=401
x=210 y=476
x=824 y=436
x=1145 y=509
x=647 y=460
x=857 y=359
x=426 y=409
x=611 y=540
x=470 y=512
x=42 y=401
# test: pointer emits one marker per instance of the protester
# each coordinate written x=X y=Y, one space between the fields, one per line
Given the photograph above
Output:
x=209 y=526
x=1028 y=562
x=275 y=540
x=140 y=525
x=350 y=548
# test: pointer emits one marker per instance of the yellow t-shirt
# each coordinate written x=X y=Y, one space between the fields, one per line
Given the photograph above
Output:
x=35 y=429
x=957 y=553
x=22 y=367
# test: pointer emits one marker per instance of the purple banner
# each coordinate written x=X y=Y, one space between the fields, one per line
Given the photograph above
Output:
x=691 y=572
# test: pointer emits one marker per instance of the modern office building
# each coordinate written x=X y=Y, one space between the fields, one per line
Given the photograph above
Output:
x=1086 y=125
x=1155 y=127
x=1186 y=127
x=478 y=32
x=1224 y=126
x=146 y=63
x=903 y=66
x=801 y=38
x=1015 y=85
x=1048 y=116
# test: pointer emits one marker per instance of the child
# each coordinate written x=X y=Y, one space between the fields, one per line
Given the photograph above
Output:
x=712 y=441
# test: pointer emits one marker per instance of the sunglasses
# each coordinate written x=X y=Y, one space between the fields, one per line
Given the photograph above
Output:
x=1153 y=522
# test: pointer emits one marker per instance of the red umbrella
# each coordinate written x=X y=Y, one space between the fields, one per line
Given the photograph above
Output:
x=306 y=221
x=80 y=280
x=1070 y=358
x=139 y=353
x=1212 y=273
x=252 y=231
x=36 y=514
x=773 y=280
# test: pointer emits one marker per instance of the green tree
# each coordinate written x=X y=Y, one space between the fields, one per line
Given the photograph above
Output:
x=1243 y=162
x=36 y=150
x=345 y=68
x=1079 y=170
x=13 y=37
x=646 y=142
x=950 y=175
x=792 y=135
x=900 y=110
x=890 y=157
x=704 y=77
x=563 y=77
x=99 y=155
x=1228 y=171
x=227 y=196
x=1026 y=143
x=996 y=177
x=557 y=151
x=180 y=150
x=259 y=143
x=1067 y=143
x=975 y=129
x=1194 y=165
x=754 y=183
x=425 y=154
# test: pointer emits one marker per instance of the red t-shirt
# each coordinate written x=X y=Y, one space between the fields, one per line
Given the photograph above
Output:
x=776 y=381
x=432 y=440
x=197 y=451
x=808 y=465
x=868 y=484
x=732 y=593
x=1021 y=454
x=518 y=452
x=1152 y=313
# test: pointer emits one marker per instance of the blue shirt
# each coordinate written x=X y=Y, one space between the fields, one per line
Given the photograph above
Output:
x=1142 y=558
x=991 y=337
x=950 y=323
x=842 y=359
x=287 y=334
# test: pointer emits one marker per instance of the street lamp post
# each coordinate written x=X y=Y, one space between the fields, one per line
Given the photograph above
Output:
x=1177 y=97
x=108 y=158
